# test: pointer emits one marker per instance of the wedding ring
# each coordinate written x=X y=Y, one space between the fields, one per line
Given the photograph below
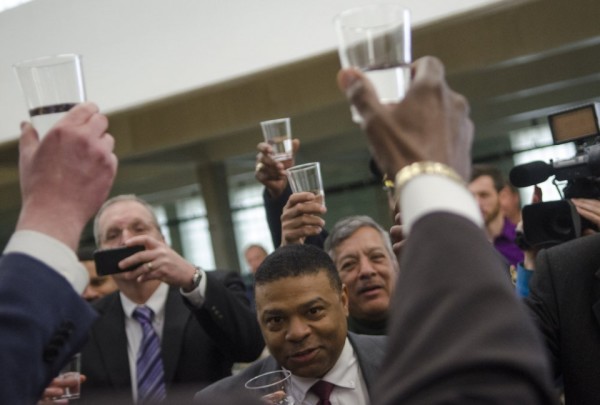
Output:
x=149 y=265
x=259 y=166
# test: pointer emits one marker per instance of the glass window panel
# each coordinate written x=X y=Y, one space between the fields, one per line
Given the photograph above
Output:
x=161 y=216
x=249 y=220
x=194 y=232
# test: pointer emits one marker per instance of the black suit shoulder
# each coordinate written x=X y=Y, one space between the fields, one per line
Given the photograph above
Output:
x=564 y=300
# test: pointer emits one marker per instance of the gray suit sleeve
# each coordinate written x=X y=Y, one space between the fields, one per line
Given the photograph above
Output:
x=458 y=333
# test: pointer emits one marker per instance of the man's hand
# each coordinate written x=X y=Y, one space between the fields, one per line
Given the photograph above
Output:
x=56 y=389
x=430 y=124
x=300 y=218
x=589 y=209
x=271 y=172
x=67 y=176
x=397 y=236
x=157 y=262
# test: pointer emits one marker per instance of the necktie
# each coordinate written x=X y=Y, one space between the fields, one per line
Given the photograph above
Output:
x=322 y=389
x=150 y=372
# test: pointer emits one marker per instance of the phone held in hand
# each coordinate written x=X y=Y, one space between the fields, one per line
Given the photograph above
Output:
x=107 y=260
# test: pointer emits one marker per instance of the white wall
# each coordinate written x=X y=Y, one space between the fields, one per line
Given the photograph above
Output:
x=136 y=51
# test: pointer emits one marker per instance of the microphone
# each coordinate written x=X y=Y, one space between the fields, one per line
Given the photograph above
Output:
x=530 y=174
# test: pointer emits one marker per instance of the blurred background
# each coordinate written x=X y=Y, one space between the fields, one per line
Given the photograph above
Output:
x=186 y=82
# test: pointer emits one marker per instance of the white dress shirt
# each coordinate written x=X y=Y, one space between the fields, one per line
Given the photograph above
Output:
x=350 y=386
x=51 y=252
x=427 y=193
x=156 y=303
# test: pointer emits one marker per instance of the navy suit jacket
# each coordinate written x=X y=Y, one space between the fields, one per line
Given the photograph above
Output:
x=199 y=346
x=564 y=297
x=369 y=351
x=43 y=323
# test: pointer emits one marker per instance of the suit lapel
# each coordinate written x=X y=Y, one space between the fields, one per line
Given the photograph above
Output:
x=368 y=362
x=176 y=317
x=112 y=343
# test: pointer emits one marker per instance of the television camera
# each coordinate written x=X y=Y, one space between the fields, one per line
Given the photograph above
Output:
x=550 y=223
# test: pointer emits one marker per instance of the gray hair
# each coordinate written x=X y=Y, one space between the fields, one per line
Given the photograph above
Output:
x=345 y=227
x=114 y=200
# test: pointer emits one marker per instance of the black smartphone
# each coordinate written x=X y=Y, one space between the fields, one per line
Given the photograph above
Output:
x=107 y=260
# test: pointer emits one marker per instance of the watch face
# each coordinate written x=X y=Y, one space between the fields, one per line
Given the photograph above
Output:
x=197 y=277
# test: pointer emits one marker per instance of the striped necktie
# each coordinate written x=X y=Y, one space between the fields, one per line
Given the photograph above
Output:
x=150 y=372
x=322 y=389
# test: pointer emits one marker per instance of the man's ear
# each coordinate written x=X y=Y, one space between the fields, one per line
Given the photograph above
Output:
x=344 y=298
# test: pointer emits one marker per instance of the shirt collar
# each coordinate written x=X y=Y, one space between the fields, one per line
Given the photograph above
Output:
x=344 y=373
x=156 y=302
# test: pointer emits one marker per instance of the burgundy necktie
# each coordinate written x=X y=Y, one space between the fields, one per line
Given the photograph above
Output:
x=322 y=389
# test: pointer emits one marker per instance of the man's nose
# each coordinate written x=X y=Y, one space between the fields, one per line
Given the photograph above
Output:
x=297 y=330
x=366 y=268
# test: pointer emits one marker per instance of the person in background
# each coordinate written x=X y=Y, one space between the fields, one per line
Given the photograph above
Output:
x=510 y=203
x=254 y=255
x=560 y=284
x=43 y=319
x=362 y=252
x=486 y=183
x=302 y=307
x=458 y=333
x=98 y=286
x=563 y=296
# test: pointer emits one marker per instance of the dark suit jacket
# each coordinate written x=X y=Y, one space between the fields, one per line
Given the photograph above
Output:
x=43 y=322
x=458 y=333
x=199 y=346
x=564 y=298
x=369 y=351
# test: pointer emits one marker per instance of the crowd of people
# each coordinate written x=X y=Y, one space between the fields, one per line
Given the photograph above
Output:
x=424 y=313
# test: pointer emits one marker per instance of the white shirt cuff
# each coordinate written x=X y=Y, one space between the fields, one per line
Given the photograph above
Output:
x=196 y=296
x=427 y=193
x=51 y=252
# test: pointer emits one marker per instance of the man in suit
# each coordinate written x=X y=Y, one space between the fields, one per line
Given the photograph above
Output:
x=458 y=332
x=564 y=296
x=43 y=319
x=202 y=319
x=302 y=307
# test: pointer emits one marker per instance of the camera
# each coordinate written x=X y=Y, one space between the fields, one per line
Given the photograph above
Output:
x=550 y=223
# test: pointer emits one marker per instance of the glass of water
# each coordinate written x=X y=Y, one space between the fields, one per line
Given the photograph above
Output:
x=377 y=40
x=278 y=134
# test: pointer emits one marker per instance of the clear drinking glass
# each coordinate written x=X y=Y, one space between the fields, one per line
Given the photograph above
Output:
x=377 y=40
x=273 y=387
x=52 y=85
